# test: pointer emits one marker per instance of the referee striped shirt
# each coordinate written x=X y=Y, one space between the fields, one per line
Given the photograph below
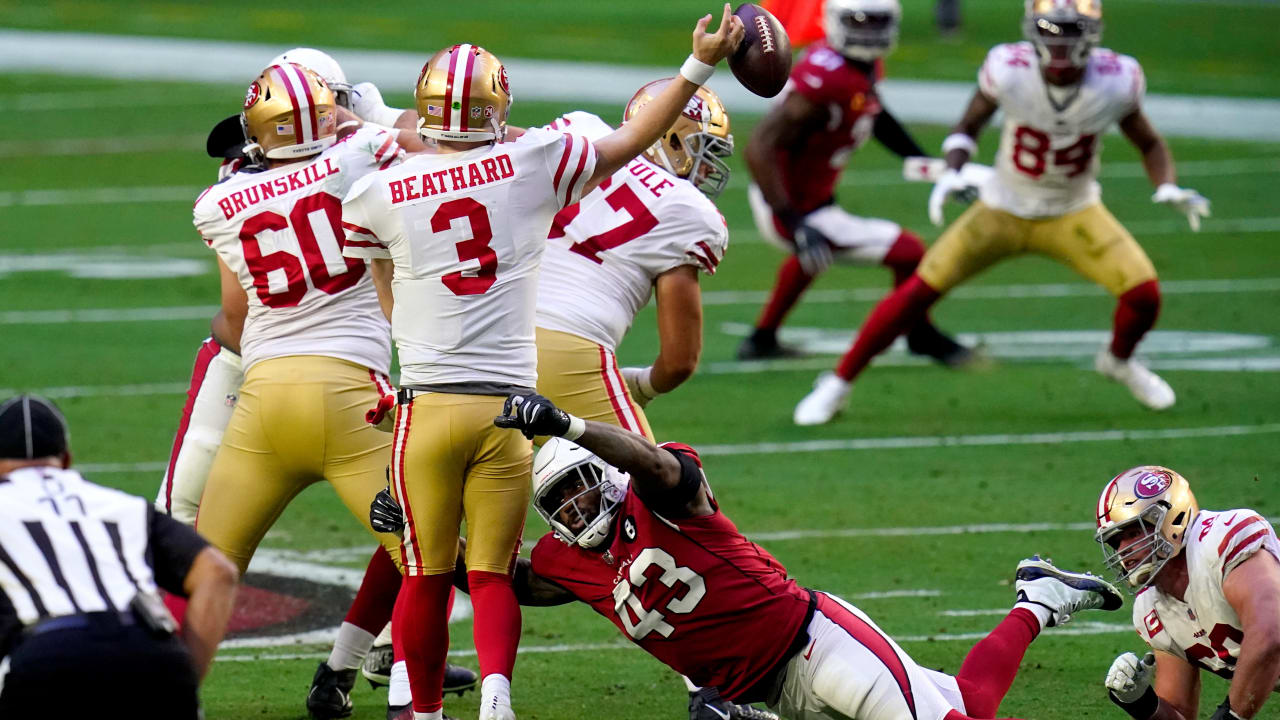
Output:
x=68 y=546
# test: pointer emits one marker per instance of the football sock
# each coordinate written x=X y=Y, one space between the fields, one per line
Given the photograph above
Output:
x=376 y=599
x=1042 y=613
x=398 y=693
x=689 y=684
x=895 y=314
x=497 y=622
x=433 y=715
x=420 y=628
x=990 y=667
x=791 y=283
x=1136 y=313
x=903 y=256
x=349 y=649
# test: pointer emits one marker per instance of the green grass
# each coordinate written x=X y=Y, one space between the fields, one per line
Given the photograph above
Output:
x=1061 y=676
x=1223 y=48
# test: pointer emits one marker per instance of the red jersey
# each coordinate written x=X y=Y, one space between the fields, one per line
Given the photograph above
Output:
x=825 y=78
x=692 y=592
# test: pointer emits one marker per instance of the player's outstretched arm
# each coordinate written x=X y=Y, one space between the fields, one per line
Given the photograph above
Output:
x=784 y=128
x=894 y=137
x=622 y=145
x=531 y=589
x=679 y=336
x=962 y=143
x=1253 y=591
x=1158 y=162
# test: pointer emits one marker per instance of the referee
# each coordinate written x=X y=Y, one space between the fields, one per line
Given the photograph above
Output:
x=79 y=570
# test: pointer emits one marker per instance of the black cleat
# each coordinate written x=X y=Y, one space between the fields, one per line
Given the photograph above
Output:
x=330 y=694
x=458 y=679
x=377 y=666
x=928 y=341
x=763 y=345
x=706 y=704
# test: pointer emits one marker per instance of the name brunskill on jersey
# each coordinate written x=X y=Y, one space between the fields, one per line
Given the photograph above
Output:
x=241 y=200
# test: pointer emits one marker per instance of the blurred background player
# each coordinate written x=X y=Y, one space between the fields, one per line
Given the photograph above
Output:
x=460 y=276
x=637 y=534
x=797 y=154
x=1207 y=587
x=1059 y=93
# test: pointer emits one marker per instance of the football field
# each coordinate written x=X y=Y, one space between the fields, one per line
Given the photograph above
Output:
x=916 y=504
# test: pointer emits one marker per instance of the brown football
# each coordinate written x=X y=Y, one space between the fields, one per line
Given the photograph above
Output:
x=763 y=61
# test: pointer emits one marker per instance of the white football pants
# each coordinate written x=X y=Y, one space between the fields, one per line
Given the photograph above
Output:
x=856 y=240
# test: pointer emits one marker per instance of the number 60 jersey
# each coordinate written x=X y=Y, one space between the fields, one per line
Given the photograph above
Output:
x=1047 y=163
x=280 y=232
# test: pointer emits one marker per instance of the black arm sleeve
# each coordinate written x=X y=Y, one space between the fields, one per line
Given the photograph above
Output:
x=673 y=502
x=894 y=137
x=172 y=549
x=10 y=625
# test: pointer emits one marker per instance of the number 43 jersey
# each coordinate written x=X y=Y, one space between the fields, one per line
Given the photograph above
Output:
x=604 y=253
x=1203 y=627
x=1047 y=163
x=280 y=232
x=692 y=592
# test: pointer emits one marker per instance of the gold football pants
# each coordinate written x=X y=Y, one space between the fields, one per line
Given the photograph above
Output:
x=582 y=378
x=299 y=420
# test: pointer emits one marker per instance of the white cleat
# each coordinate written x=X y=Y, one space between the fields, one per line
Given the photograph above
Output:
x=496 y=707
x=829 y=396
x=1063 y=593
x=1147 y=387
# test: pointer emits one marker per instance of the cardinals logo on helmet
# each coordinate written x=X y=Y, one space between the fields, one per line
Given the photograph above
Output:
x=251 y=95
x=1152 y=484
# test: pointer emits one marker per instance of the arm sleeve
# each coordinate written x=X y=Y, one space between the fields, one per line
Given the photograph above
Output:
x=894 y=137
x=989 y=75
x=361 y=241
x=173 y=548
x=572 y=160
x=1247 y=535
x=1137 y=84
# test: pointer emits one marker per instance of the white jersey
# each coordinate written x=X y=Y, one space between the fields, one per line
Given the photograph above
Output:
x=604 y=254
x=466 y=232
x=280 y=232
x=1204 y=628
x=1047 y=164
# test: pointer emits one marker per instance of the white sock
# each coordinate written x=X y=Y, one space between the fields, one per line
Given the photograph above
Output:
x=689 y=684
x=1042 y=613
x=399 y=694
x=433 y=715
x=349 y=649
x=384 y=637
x=496 y=685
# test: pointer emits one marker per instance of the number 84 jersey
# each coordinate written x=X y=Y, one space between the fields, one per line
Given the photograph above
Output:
x=280 y=231
x=1203 y=627
x=1047 y=163
x=692 y=592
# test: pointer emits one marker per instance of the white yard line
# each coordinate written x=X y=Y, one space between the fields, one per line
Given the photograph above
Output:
x=100 y=196
x=75 y=391
x=107 y=315
x=99 y=146
x=178 y=59
x=996 y=440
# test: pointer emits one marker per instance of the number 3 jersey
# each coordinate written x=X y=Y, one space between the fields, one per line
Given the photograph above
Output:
x=1203 y=627
x=692 y=592
x=466 y=232
x=1047 y=163
x=280 y=232
x=604 y=253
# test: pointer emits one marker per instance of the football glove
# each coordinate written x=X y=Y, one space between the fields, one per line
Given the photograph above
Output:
x=640 y=384
x=366 y=102
x=534 y=415
x=1224 y=711
x=1129 y=679
x=382 y=416
x=951 y=184
x=385 y=514
x=1184 y=200
x=813 y=248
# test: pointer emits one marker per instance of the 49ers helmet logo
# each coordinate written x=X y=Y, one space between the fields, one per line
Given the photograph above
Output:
x=695 y=110
x=251 y=95
x=1151 y=484
x=502 y=79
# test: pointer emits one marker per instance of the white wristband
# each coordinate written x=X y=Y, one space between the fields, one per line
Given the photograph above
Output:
x=959 y=141
x=696 y=71
x=645 y=382
x=577 y=426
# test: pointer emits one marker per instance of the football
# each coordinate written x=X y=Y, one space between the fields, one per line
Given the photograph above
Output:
x=763 y=61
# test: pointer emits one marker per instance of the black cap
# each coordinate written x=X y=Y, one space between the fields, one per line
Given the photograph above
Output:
x=226 y=139
x=31 y=427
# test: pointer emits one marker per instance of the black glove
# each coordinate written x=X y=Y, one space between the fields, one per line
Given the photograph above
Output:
x=385 y=514
x=533 y=415
x=1224 y=711
x=813 y=248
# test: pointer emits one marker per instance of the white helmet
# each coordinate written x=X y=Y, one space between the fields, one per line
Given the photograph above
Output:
x=323 y=65
x=565 y=474
x=862 y=29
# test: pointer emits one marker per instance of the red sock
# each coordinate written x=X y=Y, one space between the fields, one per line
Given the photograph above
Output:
x=904 y=256
x=497 y=623
x=420 y=632
x=376 y=598
x=989 y=668
x=790 y=285
x=898 y=312
x=1135 y=315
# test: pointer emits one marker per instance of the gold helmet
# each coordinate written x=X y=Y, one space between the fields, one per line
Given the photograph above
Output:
x=463 y=94
x=694 y=146
x=1063 y=32
x=1158 y=503
x=288 y=113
